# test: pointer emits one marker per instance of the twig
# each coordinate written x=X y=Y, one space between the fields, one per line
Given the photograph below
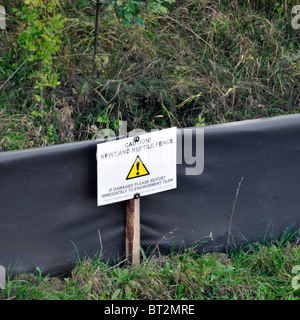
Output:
x=16 y=70
x=157 y=245
x=232 y=212
x=101 y=246
x=116 y=265
x=101 y=96
x=96 y=37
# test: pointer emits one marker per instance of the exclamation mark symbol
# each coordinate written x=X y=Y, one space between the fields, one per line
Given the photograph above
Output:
x=137 y=167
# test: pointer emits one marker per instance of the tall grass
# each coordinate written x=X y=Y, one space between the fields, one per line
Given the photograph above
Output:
x=204 y=62
x=262 y=272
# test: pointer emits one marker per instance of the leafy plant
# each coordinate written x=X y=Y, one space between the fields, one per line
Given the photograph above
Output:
x=131 y=10
x=201 y=121
x=41 y=39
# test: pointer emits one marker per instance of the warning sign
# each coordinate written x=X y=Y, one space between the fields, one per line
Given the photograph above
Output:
x=142 y=165
x=137 y=170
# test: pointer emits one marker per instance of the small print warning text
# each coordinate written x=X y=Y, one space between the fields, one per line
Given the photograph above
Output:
x=137 y=186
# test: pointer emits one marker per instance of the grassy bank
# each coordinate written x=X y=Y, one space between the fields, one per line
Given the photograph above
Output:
x=262 y=272
x=202 y=62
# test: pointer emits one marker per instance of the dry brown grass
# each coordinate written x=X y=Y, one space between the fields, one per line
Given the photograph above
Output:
x=204 y=62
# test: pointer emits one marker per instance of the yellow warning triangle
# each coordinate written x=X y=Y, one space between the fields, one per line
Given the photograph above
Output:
x=138 y=169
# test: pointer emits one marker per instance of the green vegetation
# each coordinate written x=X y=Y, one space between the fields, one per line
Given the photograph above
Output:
x=262 y=272
x=159 y=64
x=41 y=39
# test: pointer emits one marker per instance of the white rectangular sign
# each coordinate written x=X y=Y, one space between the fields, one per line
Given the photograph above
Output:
x=136 y=166
x=2 y=18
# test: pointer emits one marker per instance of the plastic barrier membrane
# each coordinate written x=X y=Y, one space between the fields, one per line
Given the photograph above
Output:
x=236 y=183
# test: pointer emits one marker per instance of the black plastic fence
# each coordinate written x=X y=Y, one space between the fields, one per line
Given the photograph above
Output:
x=249 y=190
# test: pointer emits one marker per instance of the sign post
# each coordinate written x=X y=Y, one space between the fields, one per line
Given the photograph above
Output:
x=132 y=233
x=130 y=168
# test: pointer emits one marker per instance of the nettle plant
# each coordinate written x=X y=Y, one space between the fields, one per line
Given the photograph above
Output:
x=41 y=38
x=131 y=10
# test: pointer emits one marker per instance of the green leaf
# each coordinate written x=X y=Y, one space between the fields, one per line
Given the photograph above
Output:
x=116 y=294
x=126 y=23
x=128 y=16
x=37 y=98
x=139 y=21
x=101 y=120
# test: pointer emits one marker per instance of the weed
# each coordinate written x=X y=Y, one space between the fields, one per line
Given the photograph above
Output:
x=201 y=62
x=263 y=272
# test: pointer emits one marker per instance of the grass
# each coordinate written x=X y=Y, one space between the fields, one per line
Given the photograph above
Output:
x=204 y=62
x=262 y=272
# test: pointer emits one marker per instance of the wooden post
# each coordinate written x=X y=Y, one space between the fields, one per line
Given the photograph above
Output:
x=132 y=240
x=96 y=37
